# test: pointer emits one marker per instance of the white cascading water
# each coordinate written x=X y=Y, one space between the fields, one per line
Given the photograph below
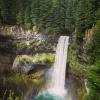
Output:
x=56 y=85
x=57 y=82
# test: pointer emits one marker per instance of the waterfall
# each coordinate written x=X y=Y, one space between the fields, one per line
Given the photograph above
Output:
x=56 y=84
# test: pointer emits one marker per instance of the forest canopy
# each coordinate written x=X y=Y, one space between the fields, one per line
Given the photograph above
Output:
x=50 y=16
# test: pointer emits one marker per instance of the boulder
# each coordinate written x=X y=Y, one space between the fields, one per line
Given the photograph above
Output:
x=23 y=64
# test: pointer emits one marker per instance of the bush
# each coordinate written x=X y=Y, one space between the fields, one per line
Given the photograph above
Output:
x=74 y=62
x=93 y=47
x=93 y=74
x=27 y=26
x=10 y=95
x=44 y=58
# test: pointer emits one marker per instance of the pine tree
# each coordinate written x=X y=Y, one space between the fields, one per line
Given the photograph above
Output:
x=27 y=15
x=85 y=16
x=3 y=11
x=70 y=14
x=0 y=12
x=20 y=12
x=40 y=13
x=8 y=11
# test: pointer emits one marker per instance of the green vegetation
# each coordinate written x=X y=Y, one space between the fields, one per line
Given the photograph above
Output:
x=93 y=47
x=22 y=81
x=74 y=62
x=78 y=68
x=43 y=58
x=25 y=60
x=11 y=96
x=33 y=45
x=93 y=72
x=51 y=16
x=90 y=70
x=20 y=45
x=80 y=93
x=17 y=78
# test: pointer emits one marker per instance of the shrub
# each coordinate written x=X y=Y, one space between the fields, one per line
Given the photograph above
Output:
x=93 y=47
x=93 y=74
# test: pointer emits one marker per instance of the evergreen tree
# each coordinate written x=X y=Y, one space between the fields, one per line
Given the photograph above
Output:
x=51 y=16
x=20 y=12
x=3 y=11
x=85 y=16
x=8 y=11
x=0 y=12
x=27 y=15
x=40 y=13
x=70 y=15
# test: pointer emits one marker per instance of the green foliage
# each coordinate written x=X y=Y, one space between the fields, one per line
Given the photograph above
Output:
x=74 y=62
x=27 y=26
x=51 y=16
x=8 y=11
x=20 y=45
x=93 y=74
x=70 y=15
x=10 y=95
x=80 y=93
x=93 y=47
x=74 y=46
x=18 y=79
x=43 y=58
x=40 y=12
x=84 y=15
x=19 y=18
x=97 y=14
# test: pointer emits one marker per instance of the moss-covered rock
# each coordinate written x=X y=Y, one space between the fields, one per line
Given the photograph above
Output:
x=24 y=63
x=44 y=58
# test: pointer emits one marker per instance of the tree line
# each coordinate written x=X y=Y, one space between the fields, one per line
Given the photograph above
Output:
x=51 y=16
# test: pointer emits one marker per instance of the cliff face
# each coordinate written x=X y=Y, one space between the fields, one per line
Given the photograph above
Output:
x=6 y=61
x=17 y=41
x=19 y=33
x=16 y=32
x=18 y=48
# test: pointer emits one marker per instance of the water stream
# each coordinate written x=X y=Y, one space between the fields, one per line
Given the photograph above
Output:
x=56 y=84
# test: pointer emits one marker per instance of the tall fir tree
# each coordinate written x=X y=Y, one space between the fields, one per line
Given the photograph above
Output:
x=85 y=16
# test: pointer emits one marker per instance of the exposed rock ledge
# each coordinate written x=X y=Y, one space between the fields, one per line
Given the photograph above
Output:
x=18 y=33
